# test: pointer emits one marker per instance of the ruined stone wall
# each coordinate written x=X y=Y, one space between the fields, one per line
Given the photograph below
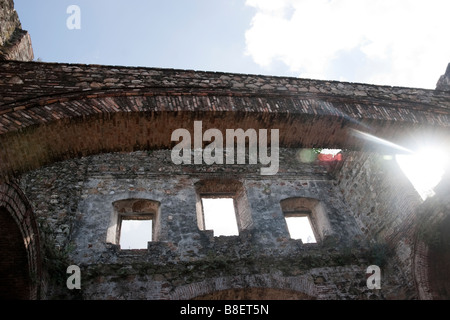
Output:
x=378 y=191
x=389 y=210
x=10 y=20
x=444 y=81
x=386 y=207
x=51 y=112
x=15 y=43
x=73 y=203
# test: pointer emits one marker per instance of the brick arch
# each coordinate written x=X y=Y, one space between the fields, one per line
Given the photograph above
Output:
x=439 y=262
x=117 y=124
x=15 y=281
x=263 y=286
x=431 y=251
x=50 y=112
x=432 y=262
x=21 y=255
x=255 y=294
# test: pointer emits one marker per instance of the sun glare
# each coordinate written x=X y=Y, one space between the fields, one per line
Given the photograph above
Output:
x=424 y=169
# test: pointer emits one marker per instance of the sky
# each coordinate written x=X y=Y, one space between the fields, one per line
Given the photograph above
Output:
x=220 y=216
x=384 y=42
x=134 y=234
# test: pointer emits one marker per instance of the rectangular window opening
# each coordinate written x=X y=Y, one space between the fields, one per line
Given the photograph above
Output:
x=135 y=232
x=300 y=227
x=219 y=215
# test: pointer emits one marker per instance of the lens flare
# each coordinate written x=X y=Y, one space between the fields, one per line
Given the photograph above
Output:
x=424 y=169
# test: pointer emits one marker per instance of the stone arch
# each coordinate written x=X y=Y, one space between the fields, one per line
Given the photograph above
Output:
x=432 y=262
x=68 y=112
x=439 y=262
x=431 y=254
x=19 y=245
x=112 y=129
x=256 y=287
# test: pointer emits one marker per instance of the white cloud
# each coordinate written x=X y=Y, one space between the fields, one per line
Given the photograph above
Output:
x=391 y=42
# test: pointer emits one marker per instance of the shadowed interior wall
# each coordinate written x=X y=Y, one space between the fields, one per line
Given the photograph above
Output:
x=14 y=273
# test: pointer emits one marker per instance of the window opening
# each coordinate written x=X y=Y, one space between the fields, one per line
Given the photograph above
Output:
x=135 y=233
x=314 y=228
x=219 y=215
x=134 y=223
x=299 y=227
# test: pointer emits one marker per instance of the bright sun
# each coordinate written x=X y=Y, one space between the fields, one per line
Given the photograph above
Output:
x=424 y=169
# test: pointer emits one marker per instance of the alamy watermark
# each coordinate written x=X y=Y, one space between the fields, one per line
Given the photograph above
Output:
x=374 y=280
x=218 y=153
x=74 y=20
x=74 y=281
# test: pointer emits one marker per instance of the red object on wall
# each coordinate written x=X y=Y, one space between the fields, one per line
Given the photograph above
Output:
x=330 y=157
